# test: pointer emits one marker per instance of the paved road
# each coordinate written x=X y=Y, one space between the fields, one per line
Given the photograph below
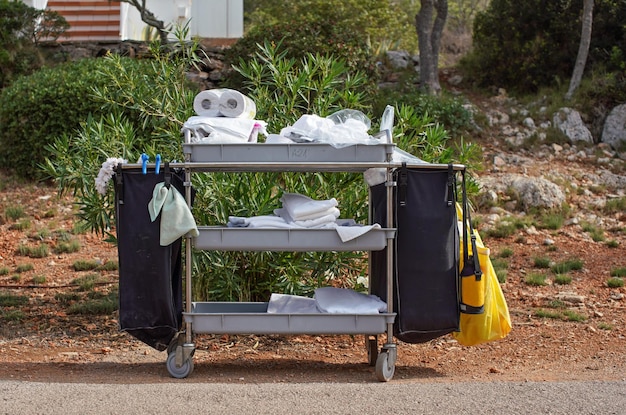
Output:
x=597 y=398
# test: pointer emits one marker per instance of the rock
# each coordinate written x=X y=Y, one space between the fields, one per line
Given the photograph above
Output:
x=614 y=131
x=570 y=297
x=569 y=122
x=398 y=59
x=537 y=193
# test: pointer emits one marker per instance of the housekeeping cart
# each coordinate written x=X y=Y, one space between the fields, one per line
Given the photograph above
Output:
x=253 y=317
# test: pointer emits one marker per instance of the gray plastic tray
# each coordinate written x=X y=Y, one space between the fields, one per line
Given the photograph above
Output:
x=277 y=239
x=278 y=152
x=252 y=318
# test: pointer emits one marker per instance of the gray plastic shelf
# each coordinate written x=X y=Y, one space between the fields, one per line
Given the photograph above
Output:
x=286 y=153
x=276 y=239
x=252 y=318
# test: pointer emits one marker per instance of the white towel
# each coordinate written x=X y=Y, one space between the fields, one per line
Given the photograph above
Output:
x=303 y=207
x=291 y=304
x=343 y=300
x=348 y=233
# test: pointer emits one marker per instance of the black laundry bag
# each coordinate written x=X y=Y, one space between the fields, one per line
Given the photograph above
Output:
x=426 y=253
x=150 y=275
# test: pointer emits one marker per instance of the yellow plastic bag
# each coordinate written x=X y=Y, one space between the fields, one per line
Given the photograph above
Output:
x=495 y=322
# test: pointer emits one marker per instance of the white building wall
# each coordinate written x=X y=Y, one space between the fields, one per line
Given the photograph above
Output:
x=206 y=18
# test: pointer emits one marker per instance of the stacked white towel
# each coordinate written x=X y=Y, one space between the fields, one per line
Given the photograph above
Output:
x=297 y=211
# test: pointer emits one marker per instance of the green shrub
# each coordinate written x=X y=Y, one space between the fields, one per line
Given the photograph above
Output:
x=21 y=29
x=4 y=270
x=53 y=102
x=615 y=282
x=525 y=45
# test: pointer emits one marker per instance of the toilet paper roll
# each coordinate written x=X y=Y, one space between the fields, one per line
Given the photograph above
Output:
x=207 y=103
x=234 y=104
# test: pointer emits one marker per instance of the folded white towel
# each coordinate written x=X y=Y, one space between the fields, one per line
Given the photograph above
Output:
x=291 y=304
x=316 y=223
x=343 y=300
x=263 y=221
x=303 y=207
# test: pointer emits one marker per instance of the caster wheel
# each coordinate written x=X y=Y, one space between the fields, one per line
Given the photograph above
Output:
x=372 y=351
x=179 y=372
x=384 y=367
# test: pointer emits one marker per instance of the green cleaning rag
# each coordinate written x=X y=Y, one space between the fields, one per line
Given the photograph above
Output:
x=176 y=218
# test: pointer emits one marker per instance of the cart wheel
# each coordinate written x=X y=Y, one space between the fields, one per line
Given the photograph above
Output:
x=179 y=372
x=384 y=367
x=372 y=351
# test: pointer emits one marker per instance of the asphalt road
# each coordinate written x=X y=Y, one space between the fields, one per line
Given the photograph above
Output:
x=597 y=398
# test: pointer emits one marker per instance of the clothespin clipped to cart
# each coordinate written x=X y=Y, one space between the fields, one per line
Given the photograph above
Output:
x=144 y=163
x=158 y=164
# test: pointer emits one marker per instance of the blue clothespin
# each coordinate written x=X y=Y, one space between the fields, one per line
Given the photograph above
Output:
x=158 y=164
x=144 y=163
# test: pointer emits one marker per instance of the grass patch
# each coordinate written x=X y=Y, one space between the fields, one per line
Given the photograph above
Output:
x=21 y=225
x=501 y=276
x=16 y=278
x=605 y=326
x=536 y=280
x=615 y=282
x=14 y=212
x=596 y=233
x=38 y=279
x=39 y=251
x=65 y=299
x=10 y=300
x=87 y=282
x=557 y=304
x=502 y=230
x=567 y=266
x=83 y=265
x=574 y=316
x=505 y=253
x=615 y=205
x=109 y=266
x=562 y=279
x=612 y=243
x=68 y=247
x=97 y=304
x=4 y=270
x=618 y=272
x=551 y=220
x=548 y=314
x=24 y=268
x=542 y=262
x=12 y=315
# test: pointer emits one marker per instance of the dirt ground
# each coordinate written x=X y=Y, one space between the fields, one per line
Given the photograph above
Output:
x=48 y=343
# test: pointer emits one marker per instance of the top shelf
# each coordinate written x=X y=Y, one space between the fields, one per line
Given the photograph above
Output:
x=287 y=153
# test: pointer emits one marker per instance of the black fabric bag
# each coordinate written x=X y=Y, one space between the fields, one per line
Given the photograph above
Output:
x=150 y=283
x=426 y=253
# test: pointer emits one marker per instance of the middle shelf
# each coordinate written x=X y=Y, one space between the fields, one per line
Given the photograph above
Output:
x=279 y=239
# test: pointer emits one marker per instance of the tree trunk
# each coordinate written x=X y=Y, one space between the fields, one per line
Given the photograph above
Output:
x=583 y=49
x=429 y=29
x=149 y=18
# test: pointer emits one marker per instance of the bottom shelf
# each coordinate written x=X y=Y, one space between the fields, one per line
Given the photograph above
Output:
x=253 y=318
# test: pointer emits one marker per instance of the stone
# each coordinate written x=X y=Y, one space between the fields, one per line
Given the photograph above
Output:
x=569 y=122
x=614 y=131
